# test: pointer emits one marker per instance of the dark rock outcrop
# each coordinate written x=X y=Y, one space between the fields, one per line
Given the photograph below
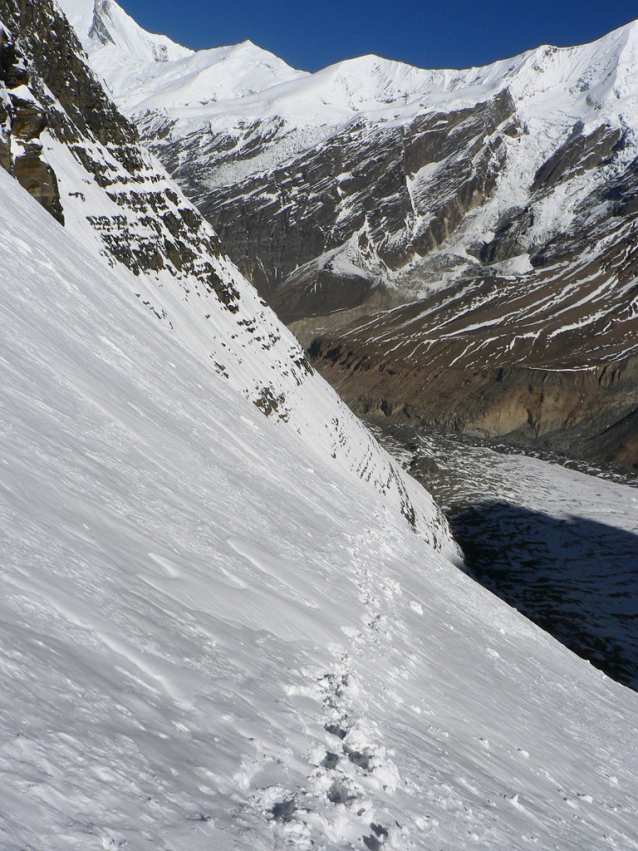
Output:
x=22 y=121
x=507 y=240
x=316 y=234
x=580 y=153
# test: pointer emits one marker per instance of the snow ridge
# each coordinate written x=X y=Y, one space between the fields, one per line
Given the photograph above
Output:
x=381 y=89
x=105 y=23
x=150 y=72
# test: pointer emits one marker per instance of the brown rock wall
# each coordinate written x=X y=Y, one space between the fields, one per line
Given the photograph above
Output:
x=551 y=357
x=22 y=121
x=288 y=228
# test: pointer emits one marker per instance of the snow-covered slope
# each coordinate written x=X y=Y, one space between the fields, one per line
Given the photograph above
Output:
x=217 y=628
x=213 y=638
x=125 y=210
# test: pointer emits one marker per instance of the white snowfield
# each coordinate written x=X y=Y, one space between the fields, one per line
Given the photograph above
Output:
x=215 y=636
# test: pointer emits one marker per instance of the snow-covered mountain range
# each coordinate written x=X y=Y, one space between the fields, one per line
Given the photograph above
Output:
x=499 y=202
x=237 y=121
x=218 y=627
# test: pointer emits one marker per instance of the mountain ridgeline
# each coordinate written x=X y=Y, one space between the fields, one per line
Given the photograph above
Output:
x=457 y=248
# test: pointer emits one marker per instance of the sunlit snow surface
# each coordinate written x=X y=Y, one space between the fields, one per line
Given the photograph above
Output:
x=212 y=637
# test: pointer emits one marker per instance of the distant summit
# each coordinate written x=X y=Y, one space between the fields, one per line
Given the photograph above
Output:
x=151 y=72
x=104 y=22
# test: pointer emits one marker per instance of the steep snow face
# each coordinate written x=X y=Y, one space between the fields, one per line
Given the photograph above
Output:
x=243 y=342
x=213 y=637
x=205 y=78
x=124 y=209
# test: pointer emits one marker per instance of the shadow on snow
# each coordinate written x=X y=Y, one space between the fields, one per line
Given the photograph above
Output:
x=576 y=578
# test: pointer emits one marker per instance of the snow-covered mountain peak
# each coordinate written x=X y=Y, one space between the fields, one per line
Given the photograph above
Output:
x=604 y=71
x=591 y=82
x=147 y=72
x=104 y=23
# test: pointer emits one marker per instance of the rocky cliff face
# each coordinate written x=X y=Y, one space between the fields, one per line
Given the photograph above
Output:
x=330 y=229
x=546 y=354
x=22 y=121
x=314 y=231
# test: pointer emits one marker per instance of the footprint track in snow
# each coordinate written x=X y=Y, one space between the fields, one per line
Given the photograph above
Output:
x=347 y=768
x=343 y=801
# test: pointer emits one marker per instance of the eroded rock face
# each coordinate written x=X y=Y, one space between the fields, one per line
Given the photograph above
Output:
x=565 y=411
x=549 y=358
x=22 y=121
x=317 y=234
x=39 y=179
x=5 y=134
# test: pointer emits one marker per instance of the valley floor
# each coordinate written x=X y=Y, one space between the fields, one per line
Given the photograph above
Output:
x=556 y=539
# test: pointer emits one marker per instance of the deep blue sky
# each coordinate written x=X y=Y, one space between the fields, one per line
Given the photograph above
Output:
x=429 y=33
